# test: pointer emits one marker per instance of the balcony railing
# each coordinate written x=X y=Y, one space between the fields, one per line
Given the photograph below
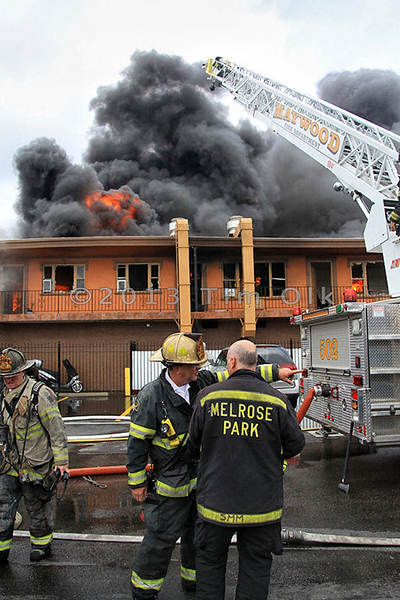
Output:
x=211 y=300
x=307 y=297
x=83 y=300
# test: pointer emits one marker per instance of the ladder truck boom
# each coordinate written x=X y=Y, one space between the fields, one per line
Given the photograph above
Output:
x=364 y=157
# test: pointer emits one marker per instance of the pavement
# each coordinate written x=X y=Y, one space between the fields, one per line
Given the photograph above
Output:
x=98 y=530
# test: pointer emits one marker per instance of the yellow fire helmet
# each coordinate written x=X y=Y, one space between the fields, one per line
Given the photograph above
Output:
x=182 y=348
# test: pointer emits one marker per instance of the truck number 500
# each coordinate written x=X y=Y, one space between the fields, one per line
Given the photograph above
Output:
x=328 y=349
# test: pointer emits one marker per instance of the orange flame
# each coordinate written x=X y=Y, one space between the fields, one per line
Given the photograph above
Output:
x=358 y=285
x=114 y=208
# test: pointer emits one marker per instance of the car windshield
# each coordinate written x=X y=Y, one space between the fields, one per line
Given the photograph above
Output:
x=221 y=359
x=273 y=355
x=267 y=355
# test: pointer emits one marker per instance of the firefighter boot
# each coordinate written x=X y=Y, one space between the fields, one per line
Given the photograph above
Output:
x=188 y=586
x=40 y=553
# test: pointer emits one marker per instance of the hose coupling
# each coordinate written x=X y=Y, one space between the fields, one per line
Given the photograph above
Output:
x=291 y=536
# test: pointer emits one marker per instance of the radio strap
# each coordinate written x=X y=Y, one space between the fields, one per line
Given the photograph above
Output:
x=11 y=407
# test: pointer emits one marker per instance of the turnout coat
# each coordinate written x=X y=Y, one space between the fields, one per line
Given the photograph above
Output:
x=147 y=440
x=243 y=429
x=36 y=430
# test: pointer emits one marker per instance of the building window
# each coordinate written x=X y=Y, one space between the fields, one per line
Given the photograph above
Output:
x=138 y=277
x=63 y=278
x=270 y=278
x=12 y=284
x=232 y=279
x=368 y=278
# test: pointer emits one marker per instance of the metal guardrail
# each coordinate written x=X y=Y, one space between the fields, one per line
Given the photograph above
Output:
x=83 y=300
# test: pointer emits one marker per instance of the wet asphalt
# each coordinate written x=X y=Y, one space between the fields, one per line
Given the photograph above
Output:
x=100 y=568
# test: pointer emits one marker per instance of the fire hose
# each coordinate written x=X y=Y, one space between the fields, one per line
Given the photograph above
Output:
x=289 y=537
x=322 y=389
x=120 y=469
x=305 y=405
x=325 y=390
x=107 y=470
x=297 y=536
x=87 y=472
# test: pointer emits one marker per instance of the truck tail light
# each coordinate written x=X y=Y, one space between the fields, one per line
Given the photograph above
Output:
x=357 y=380
x=354 y=399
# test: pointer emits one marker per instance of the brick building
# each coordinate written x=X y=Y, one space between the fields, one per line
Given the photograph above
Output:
x=103 y=289
x=114 y=290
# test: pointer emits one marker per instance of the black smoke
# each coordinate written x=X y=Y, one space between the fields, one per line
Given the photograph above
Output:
x=54 y=195
x=369 y=93
x=164 y=142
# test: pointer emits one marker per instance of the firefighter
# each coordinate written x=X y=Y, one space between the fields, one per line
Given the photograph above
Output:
x=159 y=429
x=33 y=445
x=243 y=429
x=395 y=216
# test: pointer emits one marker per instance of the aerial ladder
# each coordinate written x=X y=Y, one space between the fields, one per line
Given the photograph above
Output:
x=362 y=156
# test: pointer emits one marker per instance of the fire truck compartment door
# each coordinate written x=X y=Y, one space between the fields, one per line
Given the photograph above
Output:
x=330 y=346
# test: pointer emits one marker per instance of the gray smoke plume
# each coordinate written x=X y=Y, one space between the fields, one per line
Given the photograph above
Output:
x=371 y=94
x=162 y=146
x=58 y=199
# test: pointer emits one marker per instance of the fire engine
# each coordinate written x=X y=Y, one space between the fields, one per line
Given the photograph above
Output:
x=350 y=351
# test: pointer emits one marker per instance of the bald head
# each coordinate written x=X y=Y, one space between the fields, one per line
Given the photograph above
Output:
x=241 y=355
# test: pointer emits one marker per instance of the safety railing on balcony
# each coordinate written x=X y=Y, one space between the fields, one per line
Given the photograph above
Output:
x=210 y=300
x=283 y=299
x=83 y=300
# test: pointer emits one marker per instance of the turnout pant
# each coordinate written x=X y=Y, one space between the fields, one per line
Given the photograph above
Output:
x=255 y=546
x=167 y=519
x=39 y=508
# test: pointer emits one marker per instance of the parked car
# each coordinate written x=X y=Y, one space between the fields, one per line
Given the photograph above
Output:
x=268 y=353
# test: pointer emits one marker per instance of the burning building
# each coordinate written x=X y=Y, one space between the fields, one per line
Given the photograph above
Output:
x=162 y=146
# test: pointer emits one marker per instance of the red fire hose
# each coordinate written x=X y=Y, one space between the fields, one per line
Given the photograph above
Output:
x=305 y=405
x=110 y=470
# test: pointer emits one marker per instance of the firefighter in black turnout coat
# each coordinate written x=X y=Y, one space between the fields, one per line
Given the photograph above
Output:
x=394 y=220
x=159 y=432
x=243 y=429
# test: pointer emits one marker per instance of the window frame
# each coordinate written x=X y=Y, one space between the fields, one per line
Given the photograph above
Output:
x=271 y=278
x=122 y=273
x=78 y=282
x=363 y=287
x=232 y=285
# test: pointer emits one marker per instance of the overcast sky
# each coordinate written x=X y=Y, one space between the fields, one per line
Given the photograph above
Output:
x=55 y=54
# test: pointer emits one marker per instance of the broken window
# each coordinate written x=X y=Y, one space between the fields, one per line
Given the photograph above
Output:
x=63 y=278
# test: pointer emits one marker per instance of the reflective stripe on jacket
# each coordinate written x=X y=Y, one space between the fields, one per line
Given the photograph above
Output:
x=395 y=215
x=42 y=439
x=147 y=441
